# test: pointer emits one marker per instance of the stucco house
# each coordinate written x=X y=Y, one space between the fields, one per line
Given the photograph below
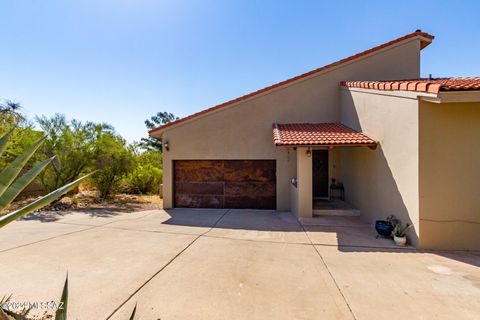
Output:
x=403 y=147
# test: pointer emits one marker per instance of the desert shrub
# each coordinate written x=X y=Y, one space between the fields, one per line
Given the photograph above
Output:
x=145 y=179
x=113 y=160
x=147 y=175
x=75 y=145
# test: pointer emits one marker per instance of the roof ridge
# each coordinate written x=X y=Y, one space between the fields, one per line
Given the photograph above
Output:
x=417 y=33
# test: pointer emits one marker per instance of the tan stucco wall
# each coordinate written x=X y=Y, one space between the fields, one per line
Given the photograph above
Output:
x=244 y=130
x=304 y=186
x=450 y=175
x=383 y=181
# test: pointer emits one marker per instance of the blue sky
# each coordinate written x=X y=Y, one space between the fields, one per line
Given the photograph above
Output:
x=121 y=61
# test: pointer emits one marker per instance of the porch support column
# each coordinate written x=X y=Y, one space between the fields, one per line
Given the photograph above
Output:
x=304 y=183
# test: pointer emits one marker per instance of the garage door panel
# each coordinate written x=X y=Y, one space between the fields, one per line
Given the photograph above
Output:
x=249 y=202
x=261 y=189
x=249 y=170
x=225 y=184
x=199 y=170
x=199 y=201
x=199 y=188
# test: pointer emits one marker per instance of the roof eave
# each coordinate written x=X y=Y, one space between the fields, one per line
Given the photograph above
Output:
x=395 y=93
x=369 y=145
x=454 y=96
x=425 y=41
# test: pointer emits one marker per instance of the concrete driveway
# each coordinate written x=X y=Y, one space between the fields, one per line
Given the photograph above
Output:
x=230 y=264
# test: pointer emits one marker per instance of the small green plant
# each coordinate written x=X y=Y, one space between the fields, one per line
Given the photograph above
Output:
x=399 y=232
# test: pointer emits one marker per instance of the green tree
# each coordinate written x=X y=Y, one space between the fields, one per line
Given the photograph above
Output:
x=23 y=134
x=10 y=113
x=74 y=144
x=114 y=160
x=160 y=119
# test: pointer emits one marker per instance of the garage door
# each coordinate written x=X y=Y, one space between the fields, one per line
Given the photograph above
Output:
x=245 y=184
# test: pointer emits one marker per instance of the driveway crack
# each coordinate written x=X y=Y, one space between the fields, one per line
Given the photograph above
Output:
x=165 y=266
x=328 y=270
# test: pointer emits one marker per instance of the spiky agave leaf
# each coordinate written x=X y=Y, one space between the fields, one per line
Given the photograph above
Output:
x=40 y=202
x=4 y=140
x=3 y=315
x=3 y=312
x=6 y=314
x=14 y=190
x=10 y=172
x=5 y=299
x=61 y=313
x=133 y=313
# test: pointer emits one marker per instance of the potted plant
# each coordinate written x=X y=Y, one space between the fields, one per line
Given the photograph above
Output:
x=399 y=234
x=385 y=227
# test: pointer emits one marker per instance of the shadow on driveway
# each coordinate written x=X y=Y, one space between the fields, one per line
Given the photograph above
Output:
x=348 y=234
x=52 y=216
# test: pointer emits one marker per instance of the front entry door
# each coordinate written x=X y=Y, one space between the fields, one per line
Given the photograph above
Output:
x=320 y=173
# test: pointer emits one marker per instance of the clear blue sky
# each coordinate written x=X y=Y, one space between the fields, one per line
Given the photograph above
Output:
x=121 y=61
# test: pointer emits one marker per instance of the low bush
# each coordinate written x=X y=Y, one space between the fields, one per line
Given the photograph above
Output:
x=145 y=179
x=147 y=175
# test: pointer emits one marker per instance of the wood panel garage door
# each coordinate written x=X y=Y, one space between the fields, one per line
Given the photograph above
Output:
x=241 y=184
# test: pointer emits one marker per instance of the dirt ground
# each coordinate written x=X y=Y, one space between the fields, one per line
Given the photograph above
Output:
x=87 y=199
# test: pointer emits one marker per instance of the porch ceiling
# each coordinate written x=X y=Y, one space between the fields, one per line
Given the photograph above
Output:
x=319 y=134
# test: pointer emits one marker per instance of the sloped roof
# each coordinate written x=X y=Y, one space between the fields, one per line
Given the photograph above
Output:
x=420 y=85
x=425 y=41
x=318 y=134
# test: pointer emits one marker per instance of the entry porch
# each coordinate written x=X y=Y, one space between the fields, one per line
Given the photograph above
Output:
x=317 y=188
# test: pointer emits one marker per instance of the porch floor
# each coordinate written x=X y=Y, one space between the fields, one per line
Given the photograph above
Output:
x=325 y=207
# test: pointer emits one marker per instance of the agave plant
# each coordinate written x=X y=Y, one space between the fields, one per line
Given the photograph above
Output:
x=8 y=315
x=11 y=184
x=61 y=313
x=10 y=187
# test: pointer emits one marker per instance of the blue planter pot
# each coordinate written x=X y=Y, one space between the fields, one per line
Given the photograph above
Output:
x=384 y=228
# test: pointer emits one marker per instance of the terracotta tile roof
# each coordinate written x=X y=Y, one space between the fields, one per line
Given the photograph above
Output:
x=418 y=33
x=420 y=85
x=318 y=134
